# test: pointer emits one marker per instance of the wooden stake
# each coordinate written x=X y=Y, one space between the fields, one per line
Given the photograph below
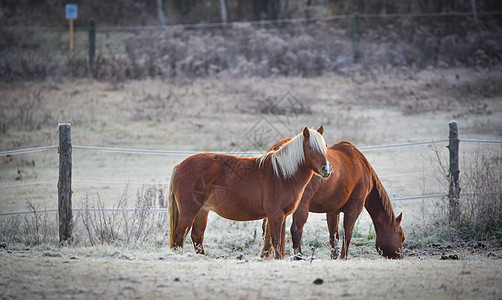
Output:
x=454 y=189
x=71 y=37
x=64 y=183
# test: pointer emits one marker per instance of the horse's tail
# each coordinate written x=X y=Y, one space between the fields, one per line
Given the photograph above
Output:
x=173 y=208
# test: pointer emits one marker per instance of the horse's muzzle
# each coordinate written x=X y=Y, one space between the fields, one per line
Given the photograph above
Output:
x=326 y=171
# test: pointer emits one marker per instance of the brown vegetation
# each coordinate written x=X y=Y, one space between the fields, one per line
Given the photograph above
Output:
x=242 y=49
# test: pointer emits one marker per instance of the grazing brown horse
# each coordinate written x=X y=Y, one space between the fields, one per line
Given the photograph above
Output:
x=244 y=189
x=352 y=186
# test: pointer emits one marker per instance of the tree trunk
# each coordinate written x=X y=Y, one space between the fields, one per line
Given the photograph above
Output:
x=282 y=9
x=223 y=10
x=160 y=12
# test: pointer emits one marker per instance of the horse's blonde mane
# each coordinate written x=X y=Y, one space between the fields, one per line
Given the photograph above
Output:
x=289 y=157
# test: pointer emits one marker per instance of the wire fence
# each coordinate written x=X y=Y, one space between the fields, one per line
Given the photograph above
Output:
x=248 y=153
x=188 y=153
x=261 y=22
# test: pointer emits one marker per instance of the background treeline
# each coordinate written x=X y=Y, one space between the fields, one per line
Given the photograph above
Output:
x=310 y=48
x=150 y=12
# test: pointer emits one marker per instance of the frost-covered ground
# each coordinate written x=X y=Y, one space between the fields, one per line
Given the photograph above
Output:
x=107 y=272
x=228 y=114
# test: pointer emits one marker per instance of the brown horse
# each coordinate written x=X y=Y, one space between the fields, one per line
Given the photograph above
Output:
x=352 y=186
x=244 y=189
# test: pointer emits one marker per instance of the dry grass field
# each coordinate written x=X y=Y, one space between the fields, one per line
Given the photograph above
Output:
x=239 y=114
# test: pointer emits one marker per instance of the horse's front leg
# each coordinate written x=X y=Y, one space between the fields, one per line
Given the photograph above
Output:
x=334 y=236
x=299 y=218
x=350 y=215
x=275 y=223
x=265 y=251
x=283 y=238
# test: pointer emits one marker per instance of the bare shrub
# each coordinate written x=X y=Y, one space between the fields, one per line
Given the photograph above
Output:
x=139 y=226
x=123 y=225
x=36 y=228
x=100 y=226
x=305 y=49
x=25 y=113
x=480 y=203
x=94 y=223
x=481 y=196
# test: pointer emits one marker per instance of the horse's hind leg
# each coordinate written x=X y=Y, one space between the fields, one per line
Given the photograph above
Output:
x=181 y=231
x=334 y=236
x=186 y=218
x=198 y=228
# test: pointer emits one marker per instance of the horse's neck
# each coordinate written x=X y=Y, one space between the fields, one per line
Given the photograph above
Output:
x=303 y=175
x=300 y=179
x=299 y=182
x=379 y=211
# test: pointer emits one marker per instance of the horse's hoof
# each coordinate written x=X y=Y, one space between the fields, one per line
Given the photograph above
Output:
x=297 y=256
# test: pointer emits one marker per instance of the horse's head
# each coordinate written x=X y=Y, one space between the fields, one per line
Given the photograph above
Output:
x=390 y=242
x=314 y=148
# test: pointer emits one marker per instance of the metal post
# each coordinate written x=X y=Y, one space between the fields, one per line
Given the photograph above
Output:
x=92 y=41
x=454 y=189
x=64 y=182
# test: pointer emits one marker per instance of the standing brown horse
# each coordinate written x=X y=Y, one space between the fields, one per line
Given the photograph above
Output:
x=244 y=189
x=352 y=186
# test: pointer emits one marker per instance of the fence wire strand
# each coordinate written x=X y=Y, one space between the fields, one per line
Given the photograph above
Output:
x=164 y=210
x=257 y=153
x=262 y=22
x=187 y=153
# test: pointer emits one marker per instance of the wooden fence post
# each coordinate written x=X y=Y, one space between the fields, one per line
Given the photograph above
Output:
x=64 y=183
x=454 y=189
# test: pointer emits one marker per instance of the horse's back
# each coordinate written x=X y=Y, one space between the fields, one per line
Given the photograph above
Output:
x=223 y=183
x=198 y=162
x=346 y=148
x=351 y=176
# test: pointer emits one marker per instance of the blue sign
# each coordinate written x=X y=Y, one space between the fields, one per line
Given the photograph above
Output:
x=71 y=11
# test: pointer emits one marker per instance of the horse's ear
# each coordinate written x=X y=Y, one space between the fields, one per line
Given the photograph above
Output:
x=399 y=218
x=306 y=132
x=321 y=130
